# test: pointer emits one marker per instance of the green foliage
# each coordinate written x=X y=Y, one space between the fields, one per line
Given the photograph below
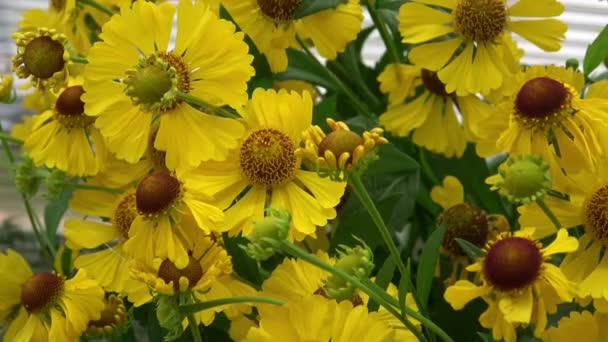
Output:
x=596 y=52
x=428 y=263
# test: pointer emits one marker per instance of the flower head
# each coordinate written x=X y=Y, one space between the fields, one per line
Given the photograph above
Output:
x=522 y=179
x=274 y=226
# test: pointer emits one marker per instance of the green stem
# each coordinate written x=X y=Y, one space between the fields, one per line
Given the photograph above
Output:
x=98 y=6
x=196 y=307
x=384 y=34
x=93 y=187
x=426 y=167
x=548 y=212
x=374 y=294
x=48 y=250
x=362 y=85
x=196 y=333
x=6 y=137
x=198 y=102
x=362 y=107
x=79 y=59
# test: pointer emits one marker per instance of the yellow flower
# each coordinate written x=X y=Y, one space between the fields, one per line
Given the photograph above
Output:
x=113 y=317
x=297 y=85
x=45 y=306
x=449 y=194
x=583 y=326
x=586 y=206
x=265 y=163
x=63 y=137
x=518 y=282
x=272 y=27
x=432 y=113
x=482 y=28
x=6 y=88
x=598 y=89
x=543 y=114
x=133 y=78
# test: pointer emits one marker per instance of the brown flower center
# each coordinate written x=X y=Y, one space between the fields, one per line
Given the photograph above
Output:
x=596 y=214
x=170 y=273
x=279 y=10
x=69 y=108
x=156 y=193
x=466 y=222
x=480 y=20
x=124 y=214
x=543 y=102
x=267 y=157
x=40 y=291
x=112 y=315
x=43 y=57
x=340 y=141
x=512 y=263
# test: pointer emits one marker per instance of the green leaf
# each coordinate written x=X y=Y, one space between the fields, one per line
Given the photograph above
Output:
x=596 y=52
x=53 y=212
x=325 y=109
x=427 y=264
x=243 y=265
x=404 y=286
x=308 y=7
x=383 y=279
x=66 y=261
x=472 y=251
x=485 y=337
x=301 y=67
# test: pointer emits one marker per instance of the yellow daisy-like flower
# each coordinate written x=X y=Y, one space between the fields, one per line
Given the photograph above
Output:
x=112 y=318
x=518 y=282
x=133 y=78
x=477 y=53
x=543 y=114
x=63 y=137
x=45 y=306
x=272 y=27
x=267 y=167
x=315 y=318
x=583 y=326
x=432 y=113
x=586 y=206
x=41 y=57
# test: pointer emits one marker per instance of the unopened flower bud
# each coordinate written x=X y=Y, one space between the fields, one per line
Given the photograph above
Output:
x=357 y=262
x=274 y=226
x=27 y=179
x=522 y=179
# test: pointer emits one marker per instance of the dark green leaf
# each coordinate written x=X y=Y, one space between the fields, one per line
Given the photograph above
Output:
x=472 y=251
x=325 y=109
x=404 y=286
x=428 y=263
x=383 y=279
x=243 y=265
x=390 y=4
x=66 y=261
x=596 y=52
x=485 y=337
x=301 y=67
x=53 y=212
x=308 y=7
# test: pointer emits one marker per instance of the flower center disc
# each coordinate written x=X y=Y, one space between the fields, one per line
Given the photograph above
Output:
x=267 y=157
x=432 y=83
x=541 y=97
x=41 y=290
x=596 y=214
x=69 y=108
x=112 y=315
x=465 y=222
x=170 y=273
x=480 y=20
x=43 y=57
x=340 y=141
x=279 y=10
x=156 y=192
x=512 y=263
x=124 y=214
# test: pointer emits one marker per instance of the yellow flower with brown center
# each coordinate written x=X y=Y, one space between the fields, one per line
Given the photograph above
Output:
x=265 y=169
x=518 y=283
x=134 y=82
x=272 y=27
x=477 y=54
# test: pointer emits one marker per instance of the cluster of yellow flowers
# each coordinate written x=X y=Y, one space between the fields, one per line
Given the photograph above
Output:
x=171 y=153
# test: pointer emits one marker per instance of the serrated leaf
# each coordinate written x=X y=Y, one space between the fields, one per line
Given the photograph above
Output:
x=596 y=52
x=427 y=264
x=472 y=251
x=308 y=7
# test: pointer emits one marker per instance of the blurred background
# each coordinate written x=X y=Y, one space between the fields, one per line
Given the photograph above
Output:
x=585 y=19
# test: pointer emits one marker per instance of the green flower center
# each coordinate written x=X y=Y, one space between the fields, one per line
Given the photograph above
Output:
x=268 y=157
x=466 y=222
x=156 y=193
x=40 y=291
x=525 y=179
x=279 y=10
x=512 y=263
x=596 y=214
x=170 y=273
x=432 y=82
x=480 y=20
x=43 y=57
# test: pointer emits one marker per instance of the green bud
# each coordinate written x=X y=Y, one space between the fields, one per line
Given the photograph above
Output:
x=55 y=183
x=169 y=316
x=524 y=179
x=274 y=226
x=572 y=63
x=27 y=179
x=357 y=262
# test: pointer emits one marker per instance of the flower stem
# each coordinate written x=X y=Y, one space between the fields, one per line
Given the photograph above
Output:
x=79 y=59
x=384 y=34
x=98 y=6
x=192 y=308
x=375 y=293
x=5 y=137
x=548 y=212
x=196 y=333
x=198 y=102
x=48 y=250
x=362 y=107
x=93 y=187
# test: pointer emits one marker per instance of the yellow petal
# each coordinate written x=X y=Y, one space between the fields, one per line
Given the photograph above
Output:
x=449 y=194
x=517 y=308
x=433 y=56
x=547 y=34
x=419 y=23
x=536 y=8
x=462 y=292
x=562 y=244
